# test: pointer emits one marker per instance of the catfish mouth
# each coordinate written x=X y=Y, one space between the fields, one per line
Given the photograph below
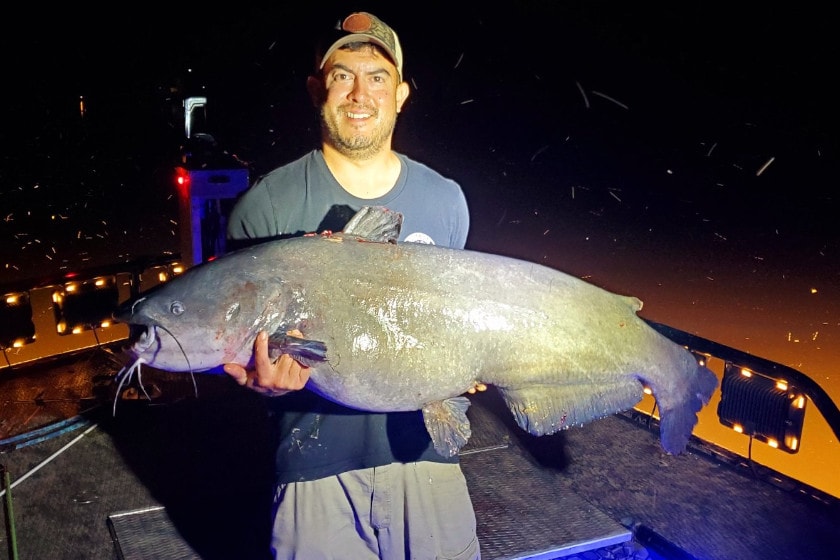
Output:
x=145 y=343
x=141 y=338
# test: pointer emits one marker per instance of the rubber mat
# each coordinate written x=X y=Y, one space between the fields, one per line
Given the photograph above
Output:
x=521 y=512
x=148 y=533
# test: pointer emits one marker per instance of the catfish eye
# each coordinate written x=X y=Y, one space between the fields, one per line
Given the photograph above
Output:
x=176 y=308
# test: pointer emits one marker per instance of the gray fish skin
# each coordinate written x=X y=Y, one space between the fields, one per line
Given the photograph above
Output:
x=405 y=326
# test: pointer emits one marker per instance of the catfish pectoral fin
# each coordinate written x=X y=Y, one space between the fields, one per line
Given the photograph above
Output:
x=307 y=352
x=447 y=424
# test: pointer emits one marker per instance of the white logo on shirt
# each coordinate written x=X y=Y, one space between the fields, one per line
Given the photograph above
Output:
x=419 y=237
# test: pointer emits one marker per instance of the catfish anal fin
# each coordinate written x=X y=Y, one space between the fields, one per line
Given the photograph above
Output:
x=542 y=410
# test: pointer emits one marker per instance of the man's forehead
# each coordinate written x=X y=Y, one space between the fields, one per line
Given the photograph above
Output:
x=365 y=59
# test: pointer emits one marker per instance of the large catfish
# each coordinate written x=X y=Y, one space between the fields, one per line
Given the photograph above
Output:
x=393 y=326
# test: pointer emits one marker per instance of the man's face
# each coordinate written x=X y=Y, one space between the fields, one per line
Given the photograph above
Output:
x=361 y=97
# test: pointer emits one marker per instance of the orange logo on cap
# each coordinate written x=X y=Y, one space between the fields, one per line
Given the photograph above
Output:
x=357 y=23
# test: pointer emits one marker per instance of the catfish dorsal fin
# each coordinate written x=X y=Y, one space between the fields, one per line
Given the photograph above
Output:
x=375 y=223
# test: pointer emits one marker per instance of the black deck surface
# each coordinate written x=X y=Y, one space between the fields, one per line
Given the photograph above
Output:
x=206 y=461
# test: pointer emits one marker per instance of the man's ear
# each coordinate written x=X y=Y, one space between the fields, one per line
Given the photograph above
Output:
x=402 y=94
x=315 y=87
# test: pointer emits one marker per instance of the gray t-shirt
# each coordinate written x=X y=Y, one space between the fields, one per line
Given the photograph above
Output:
x=319 y=438
x=304 y=197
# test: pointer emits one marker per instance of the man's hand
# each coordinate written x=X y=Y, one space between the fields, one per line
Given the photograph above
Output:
x=270 y=378
x=478 y=386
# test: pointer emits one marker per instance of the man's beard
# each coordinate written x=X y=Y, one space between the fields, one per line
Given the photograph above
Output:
x=357 y=146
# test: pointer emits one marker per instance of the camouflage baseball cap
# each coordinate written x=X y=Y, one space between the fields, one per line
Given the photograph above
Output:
x=367 y=28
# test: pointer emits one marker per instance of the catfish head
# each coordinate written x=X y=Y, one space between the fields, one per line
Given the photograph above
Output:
x=206 y=317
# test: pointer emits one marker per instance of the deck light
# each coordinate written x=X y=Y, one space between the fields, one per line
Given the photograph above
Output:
x=765 y=408
x=81 y=305
x=16 y=326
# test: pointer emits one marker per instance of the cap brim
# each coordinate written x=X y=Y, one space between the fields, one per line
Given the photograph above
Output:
x=361 y=38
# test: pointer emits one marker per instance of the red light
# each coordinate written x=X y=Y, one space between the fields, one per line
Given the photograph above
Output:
x=182 y=181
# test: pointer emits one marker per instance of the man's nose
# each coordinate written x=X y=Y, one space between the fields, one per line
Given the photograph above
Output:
x=359 y=90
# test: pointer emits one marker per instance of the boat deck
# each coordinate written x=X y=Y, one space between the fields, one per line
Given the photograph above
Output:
x=182 y=476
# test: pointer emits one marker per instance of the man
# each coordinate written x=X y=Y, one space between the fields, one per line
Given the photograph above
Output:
x=353 y=484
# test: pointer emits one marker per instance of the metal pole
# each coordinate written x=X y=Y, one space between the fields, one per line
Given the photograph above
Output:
x=10 y=514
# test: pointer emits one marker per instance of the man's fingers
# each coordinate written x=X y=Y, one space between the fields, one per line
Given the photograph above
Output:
x=269 y=377
x=477 y=387
x=261 y=349
x=237 y=372
x=295 y=374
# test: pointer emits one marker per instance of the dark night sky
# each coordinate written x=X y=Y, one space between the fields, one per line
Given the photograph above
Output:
x=656 y=105
x=705 y=73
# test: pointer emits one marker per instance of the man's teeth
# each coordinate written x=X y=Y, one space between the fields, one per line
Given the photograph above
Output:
x=358 y=115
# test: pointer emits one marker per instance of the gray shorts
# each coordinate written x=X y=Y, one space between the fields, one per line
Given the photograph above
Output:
x=419 y=511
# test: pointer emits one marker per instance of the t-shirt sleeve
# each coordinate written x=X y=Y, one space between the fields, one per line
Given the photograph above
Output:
x=250 y=217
